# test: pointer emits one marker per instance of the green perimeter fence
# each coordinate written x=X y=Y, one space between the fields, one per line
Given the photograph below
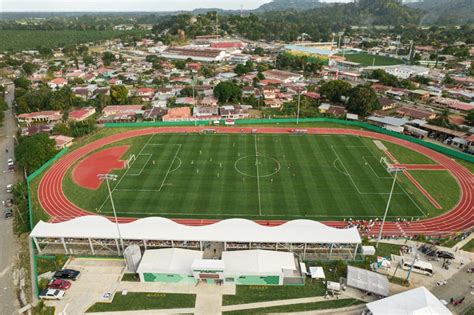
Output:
x=433 y=146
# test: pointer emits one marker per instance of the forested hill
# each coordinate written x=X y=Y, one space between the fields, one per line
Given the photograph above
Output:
x=287 y=25
x=445 y=11
x=299 y=5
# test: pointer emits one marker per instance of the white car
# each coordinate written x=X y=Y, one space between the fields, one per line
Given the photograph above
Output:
x=9 y=188
x=51 y=294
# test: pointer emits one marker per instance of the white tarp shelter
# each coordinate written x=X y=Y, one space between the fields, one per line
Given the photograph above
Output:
x=368 y=281
x=418 y=301
x=317 y=272
x=230 y=230
x=368 y=250
x=258 y=262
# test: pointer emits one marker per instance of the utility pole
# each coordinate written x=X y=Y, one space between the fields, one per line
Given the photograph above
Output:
x=113 y=177
x=298 y=111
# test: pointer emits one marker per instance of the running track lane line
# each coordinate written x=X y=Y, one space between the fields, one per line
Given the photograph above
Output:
x=56 y=204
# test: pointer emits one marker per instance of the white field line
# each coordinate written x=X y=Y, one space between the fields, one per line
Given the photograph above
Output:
x=143 y=167
x=258 y=177
x=169 y=168
x=375 y=173
x=126 y=171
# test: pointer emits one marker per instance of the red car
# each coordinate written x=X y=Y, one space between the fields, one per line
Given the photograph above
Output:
x=59 y=284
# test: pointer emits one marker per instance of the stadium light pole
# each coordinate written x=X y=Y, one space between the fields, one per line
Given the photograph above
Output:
x=113 y=177
x=299 y=101
x=396 y=170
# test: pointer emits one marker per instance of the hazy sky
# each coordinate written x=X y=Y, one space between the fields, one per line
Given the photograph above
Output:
x=127 y=5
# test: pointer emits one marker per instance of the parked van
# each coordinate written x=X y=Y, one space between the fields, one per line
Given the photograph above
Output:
x=419 y=266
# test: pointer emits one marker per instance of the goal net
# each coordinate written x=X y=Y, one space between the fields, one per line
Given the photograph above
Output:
x=390 y=167
x=130 y=160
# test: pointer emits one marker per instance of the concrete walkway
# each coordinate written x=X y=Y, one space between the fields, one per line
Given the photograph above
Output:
x=150 y=312
x=350 y=310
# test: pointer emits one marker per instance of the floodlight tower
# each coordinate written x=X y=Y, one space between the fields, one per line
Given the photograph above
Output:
x=113 y=177
x=395 y=170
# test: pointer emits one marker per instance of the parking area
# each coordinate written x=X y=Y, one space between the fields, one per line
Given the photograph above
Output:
x=97 y=282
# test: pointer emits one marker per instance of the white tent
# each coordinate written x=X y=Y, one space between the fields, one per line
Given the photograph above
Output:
x=258 y=262
x=168 y=260
x=418 y=301
x=368 y=281
x=317 y=272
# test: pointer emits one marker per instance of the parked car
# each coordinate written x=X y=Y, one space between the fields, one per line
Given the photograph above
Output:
x=10 y=162
x=51 y=294
x=9 y=188
x=8 y=213
x=59 y=284
x=445 y=254
x=67 y=274
x=470 y=270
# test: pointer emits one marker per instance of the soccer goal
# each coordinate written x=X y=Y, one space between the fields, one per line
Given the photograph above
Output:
x=389 y=166
x=130 y=160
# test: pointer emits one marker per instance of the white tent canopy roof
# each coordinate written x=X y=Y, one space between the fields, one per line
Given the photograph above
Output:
x=367 y=281
x=418 y=301
x=168 y=260
x=231 y=230
x=258 y=262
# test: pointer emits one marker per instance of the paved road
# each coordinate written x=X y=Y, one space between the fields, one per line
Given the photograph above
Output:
x=458 y=286
x=8 y=300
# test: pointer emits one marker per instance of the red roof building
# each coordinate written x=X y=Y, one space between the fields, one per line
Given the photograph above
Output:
x=81 y=114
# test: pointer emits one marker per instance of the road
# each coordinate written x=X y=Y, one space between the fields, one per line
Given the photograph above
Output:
x=8 y=299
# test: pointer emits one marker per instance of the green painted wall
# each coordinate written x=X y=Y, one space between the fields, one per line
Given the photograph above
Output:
x=168 y=278
x=258 y=280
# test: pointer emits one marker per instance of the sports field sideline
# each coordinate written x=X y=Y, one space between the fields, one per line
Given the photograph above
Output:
x=269 y=176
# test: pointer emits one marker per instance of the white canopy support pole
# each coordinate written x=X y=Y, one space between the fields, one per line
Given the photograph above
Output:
x=200 y=246
x=38 y=248
x=64 y=245
x=330 y=250
x=172 y=244
x=304 y=250
x=355 y=251
x=118 y=248
x=225 y=246
x=144 y=244
x=92 y=247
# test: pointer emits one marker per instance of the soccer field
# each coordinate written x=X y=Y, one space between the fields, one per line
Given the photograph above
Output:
x=254 y=176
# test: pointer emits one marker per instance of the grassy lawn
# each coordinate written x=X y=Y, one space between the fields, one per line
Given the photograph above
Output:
x=145 y=301
x=133 y=277
x=260 y=293
x=254 y=176
x=441 y=185
x=407 y=156
x=333 y=304
x=50 y=263
x=469 y=247
x=368 y=59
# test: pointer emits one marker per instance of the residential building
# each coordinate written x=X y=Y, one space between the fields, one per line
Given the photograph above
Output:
x=81 y=114
x=178 y=114
x=282 y=76
x=43 y=116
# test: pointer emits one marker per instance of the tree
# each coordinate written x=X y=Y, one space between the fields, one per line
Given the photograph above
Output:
x=442 y=119
x=362 y=100
x=335 y=89
x=108 y=58
x=470 y=118
x=61 y=129
x=448 y=80
x=22 y=82
x=180 y=64
x=119 y=94
x=186 y=91
x=88 y=60
x=29 y=68
x=34 y=151
x=227 y=92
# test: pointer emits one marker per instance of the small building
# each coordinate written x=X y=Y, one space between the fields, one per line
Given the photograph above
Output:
x=81 y=114
x=205 y=111
x=178 y=114
x=420 y=95
x=282 y=76
x=415 y=113
x=146 y=94
x=155 y=113
x=43 y=116
x=194 y=53
x=57 y=83
x=234 y=111
x=386 y=103
x=62 y=141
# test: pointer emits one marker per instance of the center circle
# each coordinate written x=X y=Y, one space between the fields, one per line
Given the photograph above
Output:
x=257 y=166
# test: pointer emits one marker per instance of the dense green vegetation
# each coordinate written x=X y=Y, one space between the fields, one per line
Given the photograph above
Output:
x=145 y=301
x=333 y=304
x=34 y=39
x=34 y=151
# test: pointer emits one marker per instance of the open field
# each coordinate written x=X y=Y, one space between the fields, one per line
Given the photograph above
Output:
x=32 y=39
x=252 y=176
x=368 y=59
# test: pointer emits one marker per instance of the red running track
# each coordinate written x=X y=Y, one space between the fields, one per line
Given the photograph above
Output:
x=56 y=204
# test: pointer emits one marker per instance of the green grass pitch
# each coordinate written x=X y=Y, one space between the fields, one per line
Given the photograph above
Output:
x=253 y=176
